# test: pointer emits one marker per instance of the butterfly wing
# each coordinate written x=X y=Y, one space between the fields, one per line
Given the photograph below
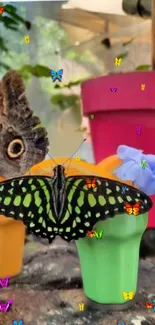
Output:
x=85 y=206
x=136 y=208
x=93 y=183
x=131 y=294
x=21 y=322
x=1 y=10
x=124 y=294
x=128 y=208
x=31 y=199
x=22 y=143
x=90 y=234
x=28 y=199
x=149 y=306
x=88 y=182
x=59 y=74
x=53 y=75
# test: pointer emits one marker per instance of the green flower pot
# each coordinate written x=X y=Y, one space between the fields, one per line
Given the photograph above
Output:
x=109 y=265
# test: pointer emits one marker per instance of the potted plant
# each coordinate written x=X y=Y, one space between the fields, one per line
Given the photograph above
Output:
x=109 y=264
x=12 y=238
x=126 y=115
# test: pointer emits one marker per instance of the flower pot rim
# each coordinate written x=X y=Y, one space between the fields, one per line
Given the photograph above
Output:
x=97 y=97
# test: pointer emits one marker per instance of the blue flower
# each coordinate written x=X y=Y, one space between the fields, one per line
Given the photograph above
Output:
x=137 y=167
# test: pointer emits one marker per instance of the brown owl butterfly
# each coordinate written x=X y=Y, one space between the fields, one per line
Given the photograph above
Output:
x=23 y=141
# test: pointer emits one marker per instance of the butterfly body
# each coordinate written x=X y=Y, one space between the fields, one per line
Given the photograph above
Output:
x=56 y=75
x=65 y=206
x=58 y=190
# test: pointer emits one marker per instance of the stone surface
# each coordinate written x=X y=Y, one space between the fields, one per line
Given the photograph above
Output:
x=49 y=290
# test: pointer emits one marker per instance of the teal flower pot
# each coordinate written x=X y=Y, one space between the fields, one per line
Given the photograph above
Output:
x=109 y=265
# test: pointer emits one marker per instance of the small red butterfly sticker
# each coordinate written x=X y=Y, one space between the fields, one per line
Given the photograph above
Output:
x=132 y=209
x=91 y=183
x=1 y=10
x=147 y=305
x=91 y=233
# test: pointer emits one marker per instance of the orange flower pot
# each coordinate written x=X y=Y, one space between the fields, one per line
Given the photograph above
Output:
x=12 y=237
x=109 y=165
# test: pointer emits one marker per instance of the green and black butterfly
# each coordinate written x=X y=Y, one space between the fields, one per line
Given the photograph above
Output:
x=65 y=206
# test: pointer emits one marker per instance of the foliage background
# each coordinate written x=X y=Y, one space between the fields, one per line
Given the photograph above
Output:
x=50 y=47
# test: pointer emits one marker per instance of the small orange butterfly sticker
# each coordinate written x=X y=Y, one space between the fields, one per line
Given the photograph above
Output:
x=147 y=305
x=91 y=233
x=1 y=10
x=132 y=209
x=91 y=183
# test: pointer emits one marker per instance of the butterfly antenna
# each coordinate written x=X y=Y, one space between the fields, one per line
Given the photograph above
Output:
x=74 y=152
x=52 y=158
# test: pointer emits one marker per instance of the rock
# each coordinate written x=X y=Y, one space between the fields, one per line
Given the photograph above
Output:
x=147 y=246
x=49 y=290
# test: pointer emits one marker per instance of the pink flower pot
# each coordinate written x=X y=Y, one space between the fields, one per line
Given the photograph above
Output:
x=118 y=115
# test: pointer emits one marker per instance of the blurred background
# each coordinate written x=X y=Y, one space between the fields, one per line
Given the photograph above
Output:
x=81 y=38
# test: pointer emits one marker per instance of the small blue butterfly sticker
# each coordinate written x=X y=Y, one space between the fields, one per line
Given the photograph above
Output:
x=14 y=322
x=56 y=75
x=123 y=189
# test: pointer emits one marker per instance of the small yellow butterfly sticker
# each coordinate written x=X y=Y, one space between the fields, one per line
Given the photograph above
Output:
x=129 y=295
x=118 y=61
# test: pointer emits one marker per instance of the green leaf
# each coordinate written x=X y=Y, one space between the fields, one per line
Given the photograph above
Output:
x=128 y=42
x=69 y=84
x=2 y=44
x=5 y=66
x=7 y=21
x=144 y=67
x=12 y=11
x=122 y=55
x=37 y=71
x=65 y=101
